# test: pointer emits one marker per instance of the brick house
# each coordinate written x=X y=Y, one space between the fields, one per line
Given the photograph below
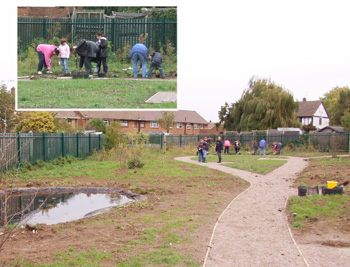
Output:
x=313 y=113
x=187 y=122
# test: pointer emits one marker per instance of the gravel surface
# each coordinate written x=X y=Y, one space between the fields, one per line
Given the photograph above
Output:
x=253 y=230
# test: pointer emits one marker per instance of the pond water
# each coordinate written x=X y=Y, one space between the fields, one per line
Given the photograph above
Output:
x=58 y=208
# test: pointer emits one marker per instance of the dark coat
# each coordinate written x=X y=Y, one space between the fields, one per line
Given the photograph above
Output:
x=219 y=146
x=87 y=48
x=156 y=57
x=205 y=145
x=103 y=43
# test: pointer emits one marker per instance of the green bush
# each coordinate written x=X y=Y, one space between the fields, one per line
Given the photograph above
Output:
x=135 y=163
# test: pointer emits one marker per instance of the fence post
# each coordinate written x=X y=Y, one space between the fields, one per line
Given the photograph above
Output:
x=89 y=143
x=180 y=140
x=62 y=141
x=77 y=145
x=112 y=35
x=99 y=142
x=19 y=148
x=161 y=141
x=44 y=147
x=44 y=28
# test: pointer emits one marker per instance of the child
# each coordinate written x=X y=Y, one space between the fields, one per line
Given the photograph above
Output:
x=64 y=55
x=45 y=53
x=102 y=43
x=237 y=147
x=156 y=62
x=227 y=145
x=200 y=151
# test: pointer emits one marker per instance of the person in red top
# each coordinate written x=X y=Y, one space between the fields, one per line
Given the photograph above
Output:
x=45 y=53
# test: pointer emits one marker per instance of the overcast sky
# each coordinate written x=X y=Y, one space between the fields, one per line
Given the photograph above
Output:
x=301 y=45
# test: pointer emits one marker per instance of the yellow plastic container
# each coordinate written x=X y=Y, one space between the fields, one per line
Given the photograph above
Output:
x=331 y=184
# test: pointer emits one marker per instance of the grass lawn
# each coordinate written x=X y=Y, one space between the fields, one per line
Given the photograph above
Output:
x=323 y=216
x=87 y=93
x=172 y=227
x=258 y=164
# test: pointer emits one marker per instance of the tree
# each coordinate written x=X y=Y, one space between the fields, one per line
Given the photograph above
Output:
x=167 y=121
x=113 y=136
x=36 y=121
x=263 y=105
x=62 y=126
x=330 y=100
x=97 y=124
x=343 y=107
x=7 y=109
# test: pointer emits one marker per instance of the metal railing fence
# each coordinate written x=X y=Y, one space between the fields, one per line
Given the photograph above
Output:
x=119 y=32
x=16 y=148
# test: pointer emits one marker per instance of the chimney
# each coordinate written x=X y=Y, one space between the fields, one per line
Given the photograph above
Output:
x=304 y=99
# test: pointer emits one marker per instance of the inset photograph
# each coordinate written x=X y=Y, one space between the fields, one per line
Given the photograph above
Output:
x=97 y=57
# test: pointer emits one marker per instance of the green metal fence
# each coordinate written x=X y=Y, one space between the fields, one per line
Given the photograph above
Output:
x=324 y=142
x=30 y=147
x=119 y=32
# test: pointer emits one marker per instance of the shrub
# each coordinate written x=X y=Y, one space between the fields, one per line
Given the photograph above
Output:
x=135 y=163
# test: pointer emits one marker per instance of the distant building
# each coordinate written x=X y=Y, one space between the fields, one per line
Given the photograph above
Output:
x=187 y=122
x=332 y=129
x=313 y=113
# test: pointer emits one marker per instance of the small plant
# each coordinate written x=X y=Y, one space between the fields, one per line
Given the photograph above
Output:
x=32 y=59
x=26 y=166
x=135 y=163
x=40 y=163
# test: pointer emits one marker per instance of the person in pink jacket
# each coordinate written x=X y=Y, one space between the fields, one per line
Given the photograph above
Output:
x=227 y=145
x=64 y=55
x=45 y=53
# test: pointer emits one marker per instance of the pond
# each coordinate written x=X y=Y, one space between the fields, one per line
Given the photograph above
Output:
x=57 y=208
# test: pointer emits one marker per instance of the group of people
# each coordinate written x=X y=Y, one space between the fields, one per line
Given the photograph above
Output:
x=138 y=53
x=90 y=51
x=227 y=145
x=262 y=146
x=220 y=147
x=203 y=149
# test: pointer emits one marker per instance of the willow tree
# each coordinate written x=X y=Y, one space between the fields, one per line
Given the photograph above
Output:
x=263 y=105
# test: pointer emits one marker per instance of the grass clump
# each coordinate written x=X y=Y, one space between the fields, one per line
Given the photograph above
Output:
x=312 y=208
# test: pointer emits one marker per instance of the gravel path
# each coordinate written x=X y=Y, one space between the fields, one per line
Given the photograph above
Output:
x=253 y=230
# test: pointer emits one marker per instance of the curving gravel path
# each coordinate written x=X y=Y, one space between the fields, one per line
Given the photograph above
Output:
x=253 y=230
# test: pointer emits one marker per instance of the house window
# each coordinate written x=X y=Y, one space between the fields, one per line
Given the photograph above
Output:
x=320 y=121
x=124 y=123
x=142 y=124
x=70 y=121
x=107 y=122
x=188 y=126
x=195 y=126
x=179 y=125
x=202 y=126
x=154 y=124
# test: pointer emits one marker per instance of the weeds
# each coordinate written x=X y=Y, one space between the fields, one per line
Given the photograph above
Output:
x=311 y=208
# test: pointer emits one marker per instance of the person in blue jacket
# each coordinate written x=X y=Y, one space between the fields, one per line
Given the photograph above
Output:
x=139 y=52
x=262 y=146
